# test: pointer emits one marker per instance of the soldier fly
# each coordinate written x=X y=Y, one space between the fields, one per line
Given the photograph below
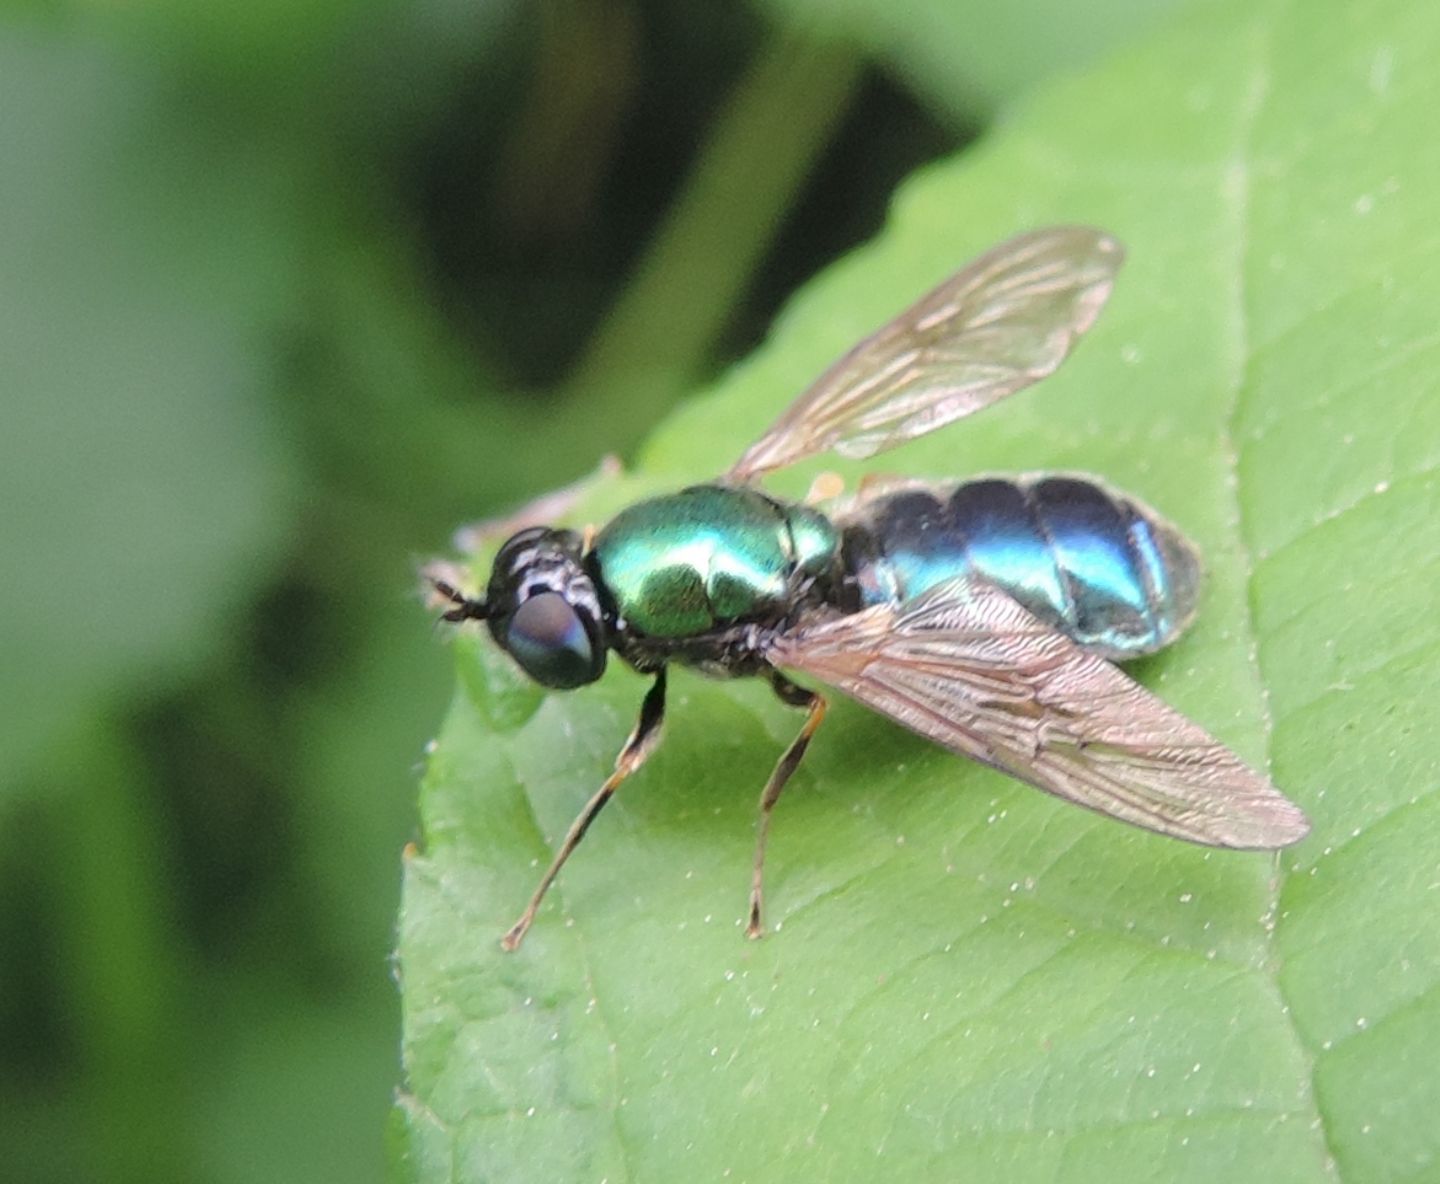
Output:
x=985 y=615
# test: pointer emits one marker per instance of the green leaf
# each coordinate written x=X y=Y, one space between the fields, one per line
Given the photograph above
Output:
x=969 y=980
x=965 y=56
x=140 y=476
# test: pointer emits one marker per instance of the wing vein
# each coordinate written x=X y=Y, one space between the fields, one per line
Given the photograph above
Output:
x=996 y=326
x=969 y=668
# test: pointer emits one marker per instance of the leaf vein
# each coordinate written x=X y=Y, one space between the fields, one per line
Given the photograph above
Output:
x=1237 y=181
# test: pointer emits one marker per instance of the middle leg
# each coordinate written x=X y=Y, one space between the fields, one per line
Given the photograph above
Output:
x=795 y=696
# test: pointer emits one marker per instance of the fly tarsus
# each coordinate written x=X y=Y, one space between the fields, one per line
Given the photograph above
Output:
x=642 y=742
x=794 y=696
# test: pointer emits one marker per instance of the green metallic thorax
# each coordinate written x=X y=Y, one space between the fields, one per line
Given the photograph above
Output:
x=711 y=555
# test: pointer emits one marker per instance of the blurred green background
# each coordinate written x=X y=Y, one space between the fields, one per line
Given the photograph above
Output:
x=287 y=292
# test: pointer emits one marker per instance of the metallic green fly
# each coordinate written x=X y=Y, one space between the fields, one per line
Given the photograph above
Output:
x=985 y=615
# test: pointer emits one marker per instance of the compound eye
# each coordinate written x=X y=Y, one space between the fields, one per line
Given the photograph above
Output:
x=549 y=640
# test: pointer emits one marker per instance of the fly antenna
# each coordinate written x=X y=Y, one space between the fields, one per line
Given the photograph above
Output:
x=466 y=608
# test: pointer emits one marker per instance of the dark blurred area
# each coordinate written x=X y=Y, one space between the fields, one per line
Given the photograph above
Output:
x=290 y=291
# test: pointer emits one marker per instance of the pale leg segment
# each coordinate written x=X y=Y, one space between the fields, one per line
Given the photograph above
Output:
x=789 y=761
x=642 y=742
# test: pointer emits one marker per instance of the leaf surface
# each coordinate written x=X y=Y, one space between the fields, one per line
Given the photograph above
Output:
x=969 y=980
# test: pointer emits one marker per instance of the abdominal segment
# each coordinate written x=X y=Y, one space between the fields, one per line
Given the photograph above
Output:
x=1100 y=566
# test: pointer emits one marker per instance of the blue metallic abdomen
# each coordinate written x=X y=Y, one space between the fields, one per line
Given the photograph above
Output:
x=1102 y=567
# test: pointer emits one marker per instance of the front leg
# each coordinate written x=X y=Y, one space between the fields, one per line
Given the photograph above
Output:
x=795 y=696
x=643 y=741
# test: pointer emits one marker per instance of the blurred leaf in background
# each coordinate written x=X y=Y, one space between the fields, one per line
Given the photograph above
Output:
x=969 y=980
x=969 y=59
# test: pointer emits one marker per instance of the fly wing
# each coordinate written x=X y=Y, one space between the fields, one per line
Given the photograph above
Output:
x=969 y=668
x=998 y=325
